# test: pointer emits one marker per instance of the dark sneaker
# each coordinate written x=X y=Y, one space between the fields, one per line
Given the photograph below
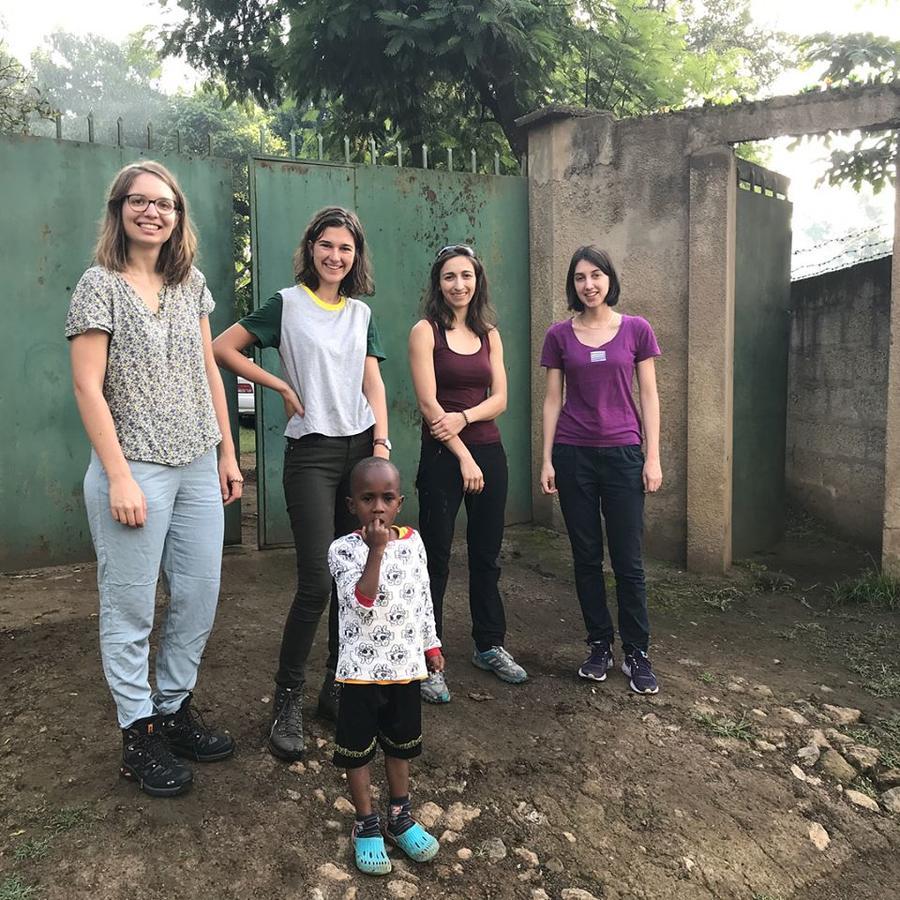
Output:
x=286 y=733
x=499 y=661
x=147 y=759
x=188 y=735
x=598 y=663
x=641 y=679
x=329 y=698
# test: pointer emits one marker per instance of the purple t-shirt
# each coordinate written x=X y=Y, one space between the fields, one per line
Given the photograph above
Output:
x=599 y=409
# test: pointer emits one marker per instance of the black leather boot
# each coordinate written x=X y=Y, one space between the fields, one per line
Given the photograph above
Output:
x=286 y=733
x=188 y=735
x=147 y=760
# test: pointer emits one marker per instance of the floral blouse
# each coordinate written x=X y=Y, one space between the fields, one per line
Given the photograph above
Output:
x=156 y=383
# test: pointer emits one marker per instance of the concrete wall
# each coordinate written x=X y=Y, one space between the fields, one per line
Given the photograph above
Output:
x=837 y=397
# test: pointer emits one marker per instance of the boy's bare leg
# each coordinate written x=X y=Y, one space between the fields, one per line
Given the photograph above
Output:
x=361 y=790
x=397 y=771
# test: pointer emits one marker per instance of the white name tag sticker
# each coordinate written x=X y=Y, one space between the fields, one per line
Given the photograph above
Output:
x=598 y=356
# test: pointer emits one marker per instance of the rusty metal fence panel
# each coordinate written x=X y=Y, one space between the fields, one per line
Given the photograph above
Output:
x=53 y=196
x=408 y=215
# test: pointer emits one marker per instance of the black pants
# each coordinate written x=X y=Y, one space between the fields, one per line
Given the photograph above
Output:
x=316 y=482
x=440 y=487
x=607 y=480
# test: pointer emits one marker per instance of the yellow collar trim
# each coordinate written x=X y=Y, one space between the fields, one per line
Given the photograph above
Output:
x=331 y=307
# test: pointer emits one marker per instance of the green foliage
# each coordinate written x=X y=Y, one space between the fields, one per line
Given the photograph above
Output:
x=456 y=73
x=20 y=99
x=871 y=588
x=722 y=726
x=13 y=888
x=858 y=59
x=884 y=735
x=33 y=849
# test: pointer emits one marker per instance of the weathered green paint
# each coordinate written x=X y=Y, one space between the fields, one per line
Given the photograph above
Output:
x=54 y=193
x=408 y=215
x=761 y=344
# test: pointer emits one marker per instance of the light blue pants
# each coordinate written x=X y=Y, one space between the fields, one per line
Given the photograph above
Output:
x=183 y=534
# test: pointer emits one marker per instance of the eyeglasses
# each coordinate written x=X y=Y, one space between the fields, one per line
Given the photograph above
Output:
x=458 y=249
x=165 y=206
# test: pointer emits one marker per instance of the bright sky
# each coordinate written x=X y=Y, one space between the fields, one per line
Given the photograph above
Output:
x=24 y=23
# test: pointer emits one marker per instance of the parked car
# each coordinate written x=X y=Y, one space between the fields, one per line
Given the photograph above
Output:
x=246 y=399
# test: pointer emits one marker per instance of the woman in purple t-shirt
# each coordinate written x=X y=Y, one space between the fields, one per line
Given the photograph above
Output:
x=592 y=456
x=456 y=359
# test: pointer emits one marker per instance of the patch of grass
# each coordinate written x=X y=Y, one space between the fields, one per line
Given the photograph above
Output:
x=800 y=628
x=13 y=888
x=871 y=588
x=707 y=677
x=722 y=726
x=884 y=735
x=722 y=598
x=865 y=786
x=247 y=440
x=69 y=817
x=33 y=849
x=874 y=658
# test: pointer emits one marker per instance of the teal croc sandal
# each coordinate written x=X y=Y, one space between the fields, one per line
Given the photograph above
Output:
x=416 y=843
x=370 y=855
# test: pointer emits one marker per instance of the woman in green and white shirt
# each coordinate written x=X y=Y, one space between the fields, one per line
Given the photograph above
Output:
x=335 y=402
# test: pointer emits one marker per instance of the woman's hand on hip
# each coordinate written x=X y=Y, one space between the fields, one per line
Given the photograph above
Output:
x=292 y=404
x=472 y=476
x=652 y=476
x=127 y=502
x=231 y=481
x=548 y=479
x=381 y=451
x=447 y=426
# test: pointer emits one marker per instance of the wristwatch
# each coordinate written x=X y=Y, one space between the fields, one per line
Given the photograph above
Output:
x=385 y=442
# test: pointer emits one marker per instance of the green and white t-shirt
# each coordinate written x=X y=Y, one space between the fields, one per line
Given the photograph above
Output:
x=323 y=349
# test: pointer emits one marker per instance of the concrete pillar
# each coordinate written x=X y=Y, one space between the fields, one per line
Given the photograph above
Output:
x=711 y=236
x=890 y=544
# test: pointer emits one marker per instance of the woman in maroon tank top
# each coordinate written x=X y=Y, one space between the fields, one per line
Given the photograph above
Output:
x=456 y=358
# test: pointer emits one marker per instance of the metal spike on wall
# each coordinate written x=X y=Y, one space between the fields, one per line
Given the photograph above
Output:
x=90 y=123
x=373 y=152
x=496 y=163
x=208 y=144
x=119 y=129
x=293 y=144
x=58 y=118
x=474 y=162
x=321 y=144
x=262 y=139
x=424 y=156
x=177 y=141
x=449 y=159
x=149 y=135
x=347 y=149
x=399 y=155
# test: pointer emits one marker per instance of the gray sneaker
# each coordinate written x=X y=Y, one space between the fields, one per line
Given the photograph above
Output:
x=434 y=689
x=500 y=662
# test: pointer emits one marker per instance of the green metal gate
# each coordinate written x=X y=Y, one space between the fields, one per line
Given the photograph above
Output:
x=53 y=194
x=761 y=343
x=408 y=215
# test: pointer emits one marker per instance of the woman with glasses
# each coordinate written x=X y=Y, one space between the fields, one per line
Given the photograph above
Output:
x=336 y=407
x=153 y=406
x=592 y=457
x=456 y=358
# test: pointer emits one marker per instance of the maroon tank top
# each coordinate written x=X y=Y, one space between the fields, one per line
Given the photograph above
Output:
x=463 y=381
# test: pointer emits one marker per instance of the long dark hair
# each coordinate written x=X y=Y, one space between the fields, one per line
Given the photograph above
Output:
x=480 y=316
x=600 y=259
x=358 y=282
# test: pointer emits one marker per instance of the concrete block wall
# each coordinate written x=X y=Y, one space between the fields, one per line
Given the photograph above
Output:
x=837 y=398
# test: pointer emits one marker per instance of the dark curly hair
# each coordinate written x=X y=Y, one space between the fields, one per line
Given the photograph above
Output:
x=480 y=315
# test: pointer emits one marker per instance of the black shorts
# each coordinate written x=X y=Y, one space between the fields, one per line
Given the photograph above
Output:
x=385 y=714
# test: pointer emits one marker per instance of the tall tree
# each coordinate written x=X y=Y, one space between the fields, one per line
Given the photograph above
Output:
x=853 y=59
x=21 y=101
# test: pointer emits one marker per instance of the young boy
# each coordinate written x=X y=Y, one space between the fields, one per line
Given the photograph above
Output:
x=388 y=643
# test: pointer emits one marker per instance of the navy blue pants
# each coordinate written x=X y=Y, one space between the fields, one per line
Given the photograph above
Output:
x=597 y=486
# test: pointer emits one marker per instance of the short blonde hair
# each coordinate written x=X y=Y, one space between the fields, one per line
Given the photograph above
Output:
x=177 y=254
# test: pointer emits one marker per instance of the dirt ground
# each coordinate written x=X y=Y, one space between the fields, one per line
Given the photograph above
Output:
x=615 y=795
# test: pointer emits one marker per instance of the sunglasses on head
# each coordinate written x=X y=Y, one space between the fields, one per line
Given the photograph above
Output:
x=458 y=249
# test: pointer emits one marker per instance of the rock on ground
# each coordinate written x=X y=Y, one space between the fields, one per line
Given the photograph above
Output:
x=464 y=853
x=819 y=836
x=791 y=716
x=428 y=814
x=402 y=889
x=576 y=894
x=494 y=849
x=891 y=800
x=529 y=857
x=864 y=758
x=333 y=872
x=889 y=778
x=344 y=806
x=857 y=798
x=835 y=766
x=841 y=715
x=809 y=755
